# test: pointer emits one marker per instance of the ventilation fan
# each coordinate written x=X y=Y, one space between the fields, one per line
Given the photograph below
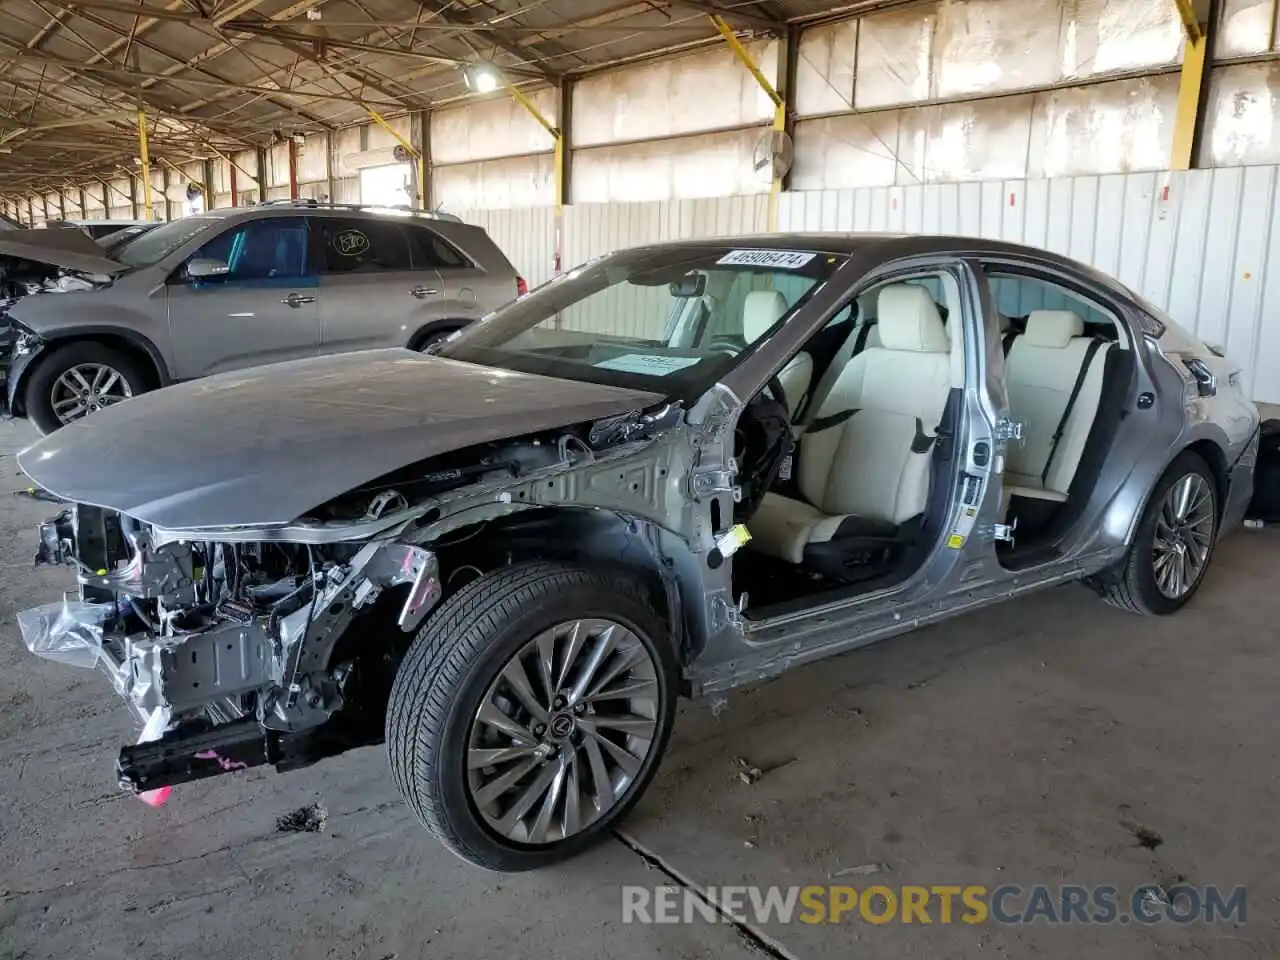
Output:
x=773 y=154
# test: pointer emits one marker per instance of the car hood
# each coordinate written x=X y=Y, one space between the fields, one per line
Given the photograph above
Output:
x=266 y=445
x=66 y=248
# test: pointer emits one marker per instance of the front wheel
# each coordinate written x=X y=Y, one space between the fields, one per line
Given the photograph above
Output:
x=531 y=712
x=79 y=379
x=1171 y=549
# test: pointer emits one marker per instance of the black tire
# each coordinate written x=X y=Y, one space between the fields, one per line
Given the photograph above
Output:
x=1131 y=584
x=427 y=340
x=450 y=665
x=39 y=387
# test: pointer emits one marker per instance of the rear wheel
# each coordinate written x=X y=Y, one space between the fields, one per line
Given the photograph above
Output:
x=77 y=380
x=531 y=712
x=1171 y=550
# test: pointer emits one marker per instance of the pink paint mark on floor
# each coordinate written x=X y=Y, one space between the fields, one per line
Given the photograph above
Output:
x=155 y=798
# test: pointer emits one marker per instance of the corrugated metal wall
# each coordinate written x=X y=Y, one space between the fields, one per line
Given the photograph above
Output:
x=527 y=236
x=1203 y=244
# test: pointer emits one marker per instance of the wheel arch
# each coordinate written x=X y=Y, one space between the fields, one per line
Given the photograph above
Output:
x=1212 y=454
x=596 y=538
x=431 y=328
x=136 y=345
x=1207 y=449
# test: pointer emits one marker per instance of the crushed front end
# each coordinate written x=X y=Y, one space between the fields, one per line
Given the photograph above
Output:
x=232 y=654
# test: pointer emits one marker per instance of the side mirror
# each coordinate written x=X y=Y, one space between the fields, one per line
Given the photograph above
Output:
x=204 y=269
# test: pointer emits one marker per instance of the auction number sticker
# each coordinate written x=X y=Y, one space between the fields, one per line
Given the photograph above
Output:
x=781 y=259
x=649 y=364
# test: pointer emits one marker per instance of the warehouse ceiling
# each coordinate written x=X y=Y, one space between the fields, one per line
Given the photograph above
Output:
x=224 y=75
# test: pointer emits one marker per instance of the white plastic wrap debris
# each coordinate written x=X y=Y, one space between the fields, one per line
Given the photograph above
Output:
x=154 y=729
x=65 y=631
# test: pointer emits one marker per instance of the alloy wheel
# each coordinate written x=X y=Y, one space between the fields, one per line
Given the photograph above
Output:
x=563 y=731
x=87 y=388
x=1183 y=535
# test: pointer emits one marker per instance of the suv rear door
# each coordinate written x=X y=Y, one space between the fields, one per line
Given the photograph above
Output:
x=476 y=277
x=264 y=309
x=372 y=290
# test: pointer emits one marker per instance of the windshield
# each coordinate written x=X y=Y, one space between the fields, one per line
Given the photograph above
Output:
x=156 y=244
x=668 y=320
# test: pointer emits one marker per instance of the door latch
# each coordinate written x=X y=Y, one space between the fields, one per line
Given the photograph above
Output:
x=708 y=483
x=423 y=292
x=1009 y=430
x=1002 y=532
x=295 y=301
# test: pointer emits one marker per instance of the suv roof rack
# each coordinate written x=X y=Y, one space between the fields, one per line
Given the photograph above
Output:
x=372 y=207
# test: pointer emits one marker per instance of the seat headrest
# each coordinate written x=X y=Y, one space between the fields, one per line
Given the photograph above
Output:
x=908 y=320
x=761 y=310
x=1052 y=328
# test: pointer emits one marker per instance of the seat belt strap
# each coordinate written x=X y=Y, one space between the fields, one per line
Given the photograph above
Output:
x=1094 y=346
x=860 y=341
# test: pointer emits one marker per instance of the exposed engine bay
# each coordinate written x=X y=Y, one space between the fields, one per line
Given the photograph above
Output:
x=21 y=278
x=279 y=645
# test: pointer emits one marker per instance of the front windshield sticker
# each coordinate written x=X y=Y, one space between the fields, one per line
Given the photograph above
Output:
x=646 y=363
x=780 y=259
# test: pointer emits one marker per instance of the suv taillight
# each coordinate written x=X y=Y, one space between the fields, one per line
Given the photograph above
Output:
x=522 y=287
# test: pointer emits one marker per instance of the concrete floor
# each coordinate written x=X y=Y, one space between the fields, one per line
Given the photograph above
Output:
x=1027 y=744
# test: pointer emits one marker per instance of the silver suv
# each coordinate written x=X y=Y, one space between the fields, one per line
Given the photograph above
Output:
x=230 y=289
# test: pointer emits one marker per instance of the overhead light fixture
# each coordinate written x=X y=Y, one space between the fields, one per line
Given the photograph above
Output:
x=314 y=14
x=480 y=77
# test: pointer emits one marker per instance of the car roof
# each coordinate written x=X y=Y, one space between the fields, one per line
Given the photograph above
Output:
x=293 y=207
x=885 y=245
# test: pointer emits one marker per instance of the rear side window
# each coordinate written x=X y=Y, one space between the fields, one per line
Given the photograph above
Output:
x=431 y=251
x=361 y=246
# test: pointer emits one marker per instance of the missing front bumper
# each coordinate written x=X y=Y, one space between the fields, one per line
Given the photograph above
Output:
x=219 y=687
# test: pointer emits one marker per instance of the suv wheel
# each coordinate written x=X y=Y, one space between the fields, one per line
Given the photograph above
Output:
x=531 y=712
x=1173 y=545
x=77 y=380
x=434 y=338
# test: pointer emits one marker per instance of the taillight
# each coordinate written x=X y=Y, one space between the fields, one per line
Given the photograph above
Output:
x=522 y=287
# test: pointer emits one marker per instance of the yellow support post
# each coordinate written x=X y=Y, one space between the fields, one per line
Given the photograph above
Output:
x=557 y=135
x=418 y=161
x=145 y=159
x=1195 y=18
x=560 y=159
x=779 y=105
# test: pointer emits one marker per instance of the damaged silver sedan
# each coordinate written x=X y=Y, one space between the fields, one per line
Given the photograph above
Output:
x=672 y=471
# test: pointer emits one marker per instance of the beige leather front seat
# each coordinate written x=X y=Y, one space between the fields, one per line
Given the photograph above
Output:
x=863 y=464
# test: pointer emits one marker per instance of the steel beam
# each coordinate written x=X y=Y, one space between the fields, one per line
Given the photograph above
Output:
x=265 y=29
x=178 y=64
x=751 y=20
x=293 y=169
x=421 y=127
x=497 y=36
x=264 y=175
x=113 y=71
x=230 y=12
